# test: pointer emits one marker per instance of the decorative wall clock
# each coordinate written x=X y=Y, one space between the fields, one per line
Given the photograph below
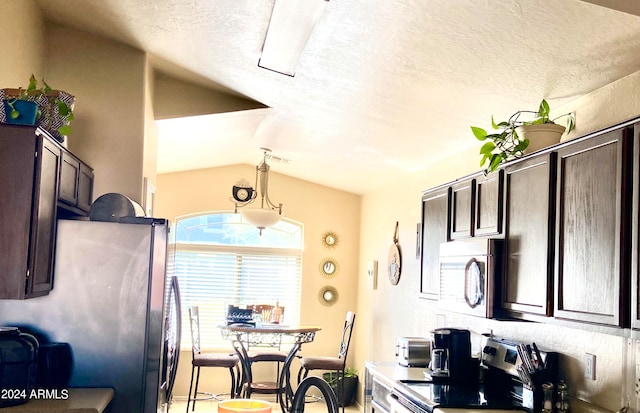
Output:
x=329 y=268
x=394 y=265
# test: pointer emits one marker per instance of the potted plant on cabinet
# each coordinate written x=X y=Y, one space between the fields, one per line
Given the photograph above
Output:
x=350 y=385
x=51 y=109
x=515 y=136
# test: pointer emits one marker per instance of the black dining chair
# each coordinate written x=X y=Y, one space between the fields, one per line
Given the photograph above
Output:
x=200 y=359
x=336 y=364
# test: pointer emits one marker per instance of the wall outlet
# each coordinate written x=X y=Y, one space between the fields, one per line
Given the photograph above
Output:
x=590 y=366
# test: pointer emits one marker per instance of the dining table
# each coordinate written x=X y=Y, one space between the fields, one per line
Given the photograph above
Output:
x=243 y=336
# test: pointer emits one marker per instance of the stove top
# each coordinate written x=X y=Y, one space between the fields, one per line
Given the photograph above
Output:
x=432 y=395
x=500 y=387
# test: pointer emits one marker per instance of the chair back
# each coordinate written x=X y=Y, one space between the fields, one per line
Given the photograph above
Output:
x=267 y=340
x=265 y=310
x=349 y=321
x=194 y=322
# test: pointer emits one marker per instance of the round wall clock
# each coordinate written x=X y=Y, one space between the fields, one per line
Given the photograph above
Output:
x=330 y=239
x=395 y=259
x=329 y=268
x=242 y=194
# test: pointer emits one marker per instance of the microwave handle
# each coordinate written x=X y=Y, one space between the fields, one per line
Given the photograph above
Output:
x=473 y=268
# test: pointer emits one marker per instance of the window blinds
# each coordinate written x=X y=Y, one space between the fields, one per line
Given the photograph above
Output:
x=216 y=276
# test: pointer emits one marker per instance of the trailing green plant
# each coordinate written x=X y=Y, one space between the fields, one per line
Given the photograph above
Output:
x=43 y=94
x=506 y=144
x=333 y=377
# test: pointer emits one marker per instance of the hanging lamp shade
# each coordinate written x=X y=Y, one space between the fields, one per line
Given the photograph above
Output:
x=261 y=217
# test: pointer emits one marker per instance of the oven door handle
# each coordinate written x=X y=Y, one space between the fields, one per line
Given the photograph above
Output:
x=395 y=405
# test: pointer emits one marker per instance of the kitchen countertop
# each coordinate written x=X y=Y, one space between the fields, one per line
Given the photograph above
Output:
x=80 y=400
x=390 y=372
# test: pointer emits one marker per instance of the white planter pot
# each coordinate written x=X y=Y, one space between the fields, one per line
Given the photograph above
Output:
x=540 y=136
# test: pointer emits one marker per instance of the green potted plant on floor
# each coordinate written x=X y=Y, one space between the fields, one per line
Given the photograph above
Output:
x=350 y=385
x=515 y=135
x=43 y=106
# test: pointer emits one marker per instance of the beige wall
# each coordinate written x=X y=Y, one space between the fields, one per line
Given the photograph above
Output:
x=175 y=98
x=22 y=50
x=392 y=311
x=318 y=208
x=108 y=80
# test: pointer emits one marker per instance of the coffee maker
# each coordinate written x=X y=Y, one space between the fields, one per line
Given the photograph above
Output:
x=451 y=360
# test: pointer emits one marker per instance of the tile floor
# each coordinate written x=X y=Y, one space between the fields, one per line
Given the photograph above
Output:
x=211 y=406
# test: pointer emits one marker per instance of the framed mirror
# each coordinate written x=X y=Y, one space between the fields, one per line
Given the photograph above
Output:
x=330 y=239
x=329 y=268
x=328 y=295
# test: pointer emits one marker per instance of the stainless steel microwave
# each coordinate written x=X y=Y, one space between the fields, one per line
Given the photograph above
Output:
x=470 y=275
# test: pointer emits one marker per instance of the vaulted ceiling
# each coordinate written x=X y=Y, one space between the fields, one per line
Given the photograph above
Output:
x=383 y=88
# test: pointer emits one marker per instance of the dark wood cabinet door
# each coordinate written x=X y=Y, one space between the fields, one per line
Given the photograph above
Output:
x=463 y=198
x=527 y=285
x=488 y=205
x=17 y=174
x=76 y=185
x=635 y=232
x=29 y=170
x=85 y=187
x=69 y=178
x=590 y=271
x=40 y=280
x=435 y=230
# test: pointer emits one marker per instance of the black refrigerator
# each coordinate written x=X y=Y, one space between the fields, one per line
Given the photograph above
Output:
x=113 y=303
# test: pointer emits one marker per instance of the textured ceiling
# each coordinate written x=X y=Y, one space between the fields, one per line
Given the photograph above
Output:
x=383 y=88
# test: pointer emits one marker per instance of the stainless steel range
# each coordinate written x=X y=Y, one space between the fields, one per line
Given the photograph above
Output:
x=510 y=378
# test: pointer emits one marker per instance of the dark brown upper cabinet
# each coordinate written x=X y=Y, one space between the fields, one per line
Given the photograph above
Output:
x=529 y=205
x=635 y=231
x=476 y=206
x=488 y=206
x=31 y=196
x=463 y=199
x=29 y=170
x=435 y=230
x=593 y=198
x=76 y=184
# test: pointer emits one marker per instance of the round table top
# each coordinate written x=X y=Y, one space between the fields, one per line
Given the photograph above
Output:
x=271 y=328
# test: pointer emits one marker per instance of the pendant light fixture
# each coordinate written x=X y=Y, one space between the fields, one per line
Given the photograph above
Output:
x=268 y=213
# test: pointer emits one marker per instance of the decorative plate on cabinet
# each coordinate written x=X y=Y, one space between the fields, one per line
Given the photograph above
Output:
x=394 y=265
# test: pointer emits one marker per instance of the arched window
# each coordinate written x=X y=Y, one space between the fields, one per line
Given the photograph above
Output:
x=222 y=260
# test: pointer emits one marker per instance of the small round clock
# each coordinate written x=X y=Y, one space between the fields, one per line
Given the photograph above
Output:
x=242 y=194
